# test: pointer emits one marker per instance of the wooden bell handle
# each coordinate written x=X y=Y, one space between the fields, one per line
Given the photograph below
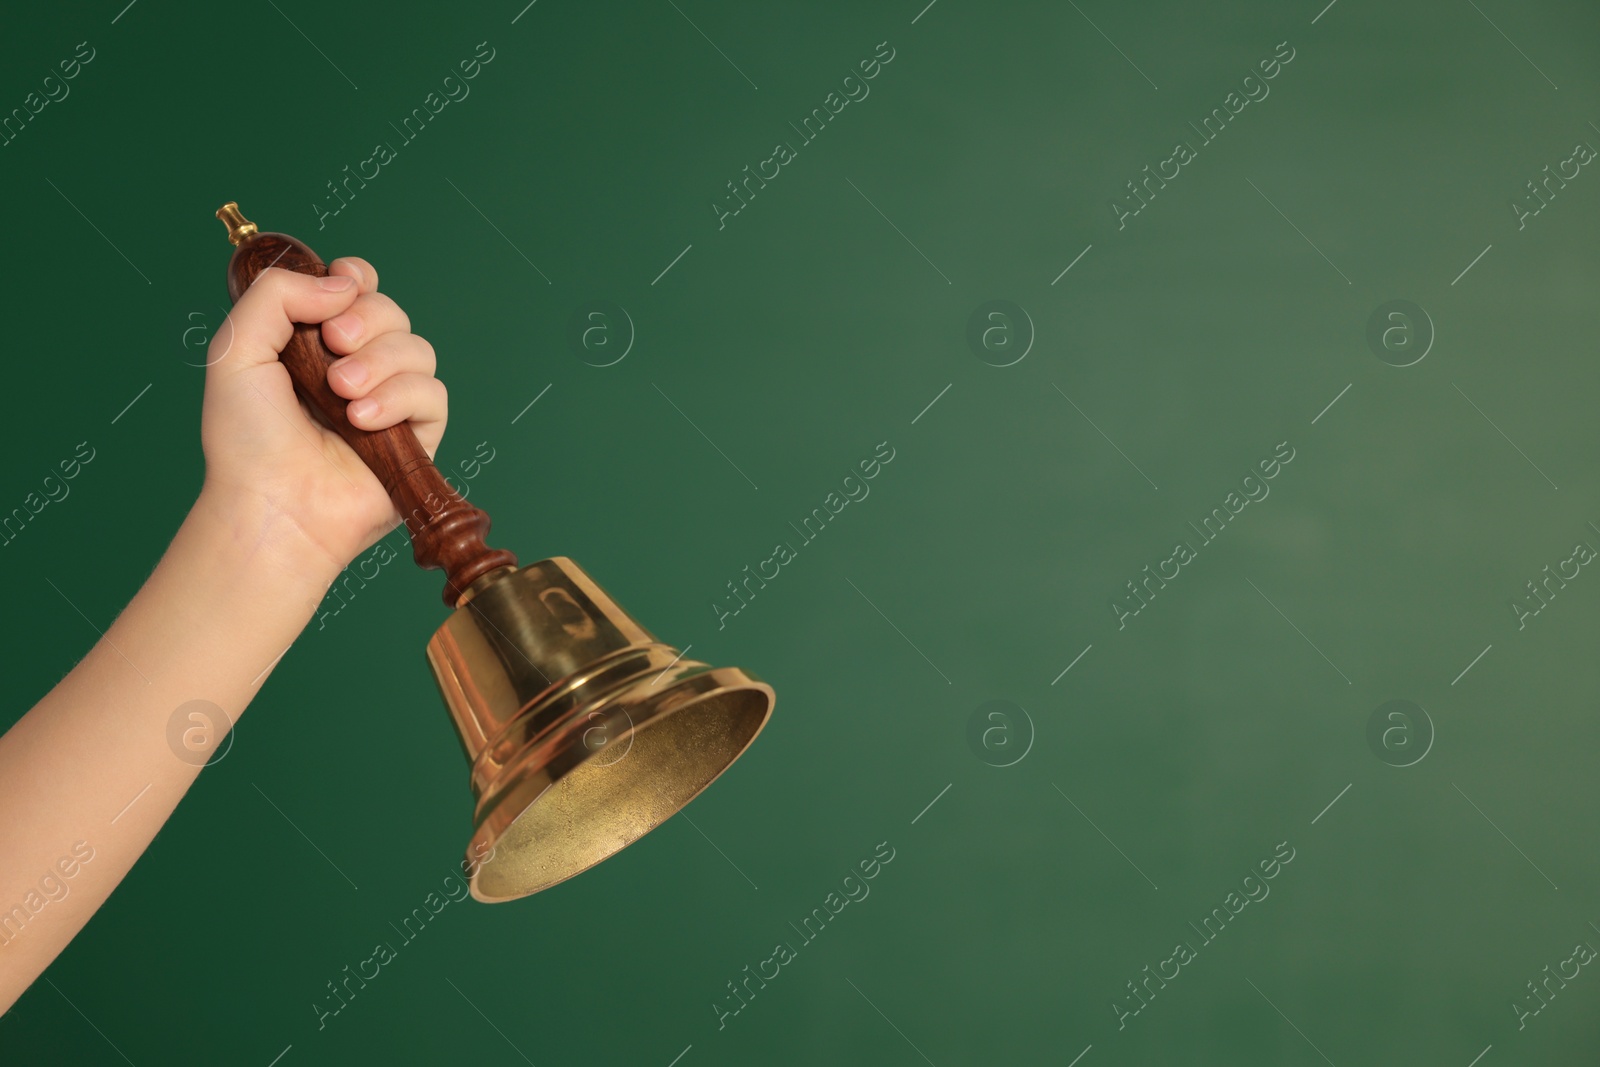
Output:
x=447 y=533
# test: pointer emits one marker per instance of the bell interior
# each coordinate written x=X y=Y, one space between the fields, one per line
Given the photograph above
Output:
x=603 y=805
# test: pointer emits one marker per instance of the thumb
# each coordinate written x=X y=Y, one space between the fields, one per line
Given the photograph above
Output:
x=262 y=320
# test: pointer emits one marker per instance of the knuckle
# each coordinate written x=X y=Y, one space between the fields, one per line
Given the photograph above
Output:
x=365 y=274
x=391 y=309
x=281 y=283
x=356 y=266
x=430 y=358
x=273 y=279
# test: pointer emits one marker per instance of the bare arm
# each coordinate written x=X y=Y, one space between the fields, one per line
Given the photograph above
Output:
x=89 y=775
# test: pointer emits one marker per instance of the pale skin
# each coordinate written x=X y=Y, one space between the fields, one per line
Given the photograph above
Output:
x=284 y=507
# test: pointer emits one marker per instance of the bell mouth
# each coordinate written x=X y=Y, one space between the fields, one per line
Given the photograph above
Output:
x=556 y=814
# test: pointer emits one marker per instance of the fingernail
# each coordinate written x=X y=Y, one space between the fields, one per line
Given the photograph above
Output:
x=347 y=324
x=351 y=370
x=364 y=408
x=336 y=283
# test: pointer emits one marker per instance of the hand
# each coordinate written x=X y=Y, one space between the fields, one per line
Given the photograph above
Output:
x=275 y=470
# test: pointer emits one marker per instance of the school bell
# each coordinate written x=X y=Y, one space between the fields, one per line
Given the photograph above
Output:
x=582 y=731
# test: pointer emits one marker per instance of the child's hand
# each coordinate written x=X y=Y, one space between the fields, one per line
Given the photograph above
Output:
x=274 y=471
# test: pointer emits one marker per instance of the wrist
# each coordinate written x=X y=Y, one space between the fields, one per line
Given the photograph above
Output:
x=246 y=532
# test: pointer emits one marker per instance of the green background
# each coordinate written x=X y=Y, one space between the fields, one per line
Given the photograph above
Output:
x=1221 y=321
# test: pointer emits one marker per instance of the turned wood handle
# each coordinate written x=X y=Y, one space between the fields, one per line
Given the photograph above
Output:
x=447 y=533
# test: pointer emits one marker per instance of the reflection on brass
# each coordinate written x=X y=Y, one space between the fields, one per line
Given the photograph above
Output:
x=583 y=732
x=239 y=227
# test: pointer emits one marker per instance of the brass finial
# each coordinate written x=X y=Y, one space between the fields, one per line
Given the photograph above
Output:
x=239 y=227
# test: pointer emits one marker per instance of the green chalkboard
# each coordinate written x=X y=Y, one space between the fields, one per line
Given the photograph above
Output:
x=1206 y=673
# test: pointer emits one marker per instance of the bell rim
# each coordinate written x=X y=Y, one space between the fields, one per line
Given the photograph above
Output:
x=520 y=776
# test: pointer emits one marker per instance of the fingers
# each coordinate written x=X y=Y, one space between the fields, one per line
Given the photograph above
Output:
x=365 y=274
x=418 y=397
x=371 y=315
x=386 y=371
x=262 y=320
x=385 y=356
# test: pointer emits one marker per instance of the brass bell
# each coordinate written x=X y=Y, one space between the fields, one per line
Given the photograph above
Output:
x=582 y=731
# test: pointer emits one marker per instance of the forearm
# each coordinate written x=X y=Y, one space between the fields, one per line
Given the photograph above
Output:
x=92 y=762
